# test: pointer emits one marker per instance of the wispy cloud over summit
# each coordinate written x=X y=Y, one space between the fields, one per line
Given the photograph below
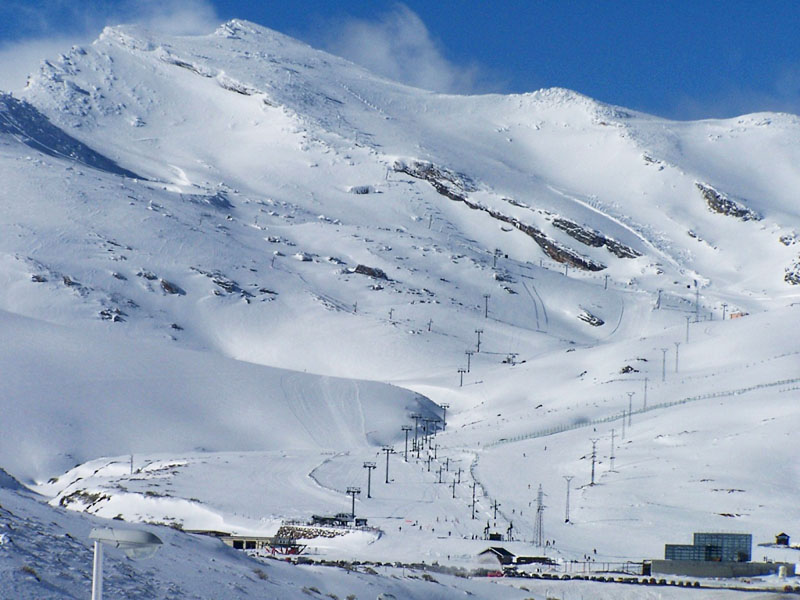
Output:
x=36 y=25
x=400 y=46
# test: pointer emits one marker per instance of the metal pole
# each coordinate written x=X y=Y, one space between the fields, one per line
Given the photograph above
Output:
x=352 y=491
x=479 y=332
x=696 y=302
x=369 y=466
x=539 y=527
x=623 y=423
x=644 y=406
x=469 y=354
x=407 y=429
x=461 y=375
x=664 y=364
x=473 y=499
x=676 y=355
x=388 y=452
x=630 y=406
x=594 y=458
x=687 y=328
x=454 y=487
x=486 y=305
x=612 y=457
x=444 y=413
x=724 y=307
x=97 y=572
x=566 y=513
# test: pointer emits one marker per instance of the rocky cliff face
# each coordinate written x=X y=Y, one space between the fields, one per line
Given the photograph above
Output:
x=720 y=203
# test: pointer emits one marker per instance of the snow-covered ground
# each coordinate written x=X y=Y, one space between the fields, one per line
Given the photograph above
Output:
x=232 y=267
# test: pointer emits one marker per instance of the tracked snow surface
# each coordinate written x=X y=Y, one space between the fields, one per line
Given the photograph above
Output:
x=232 y=268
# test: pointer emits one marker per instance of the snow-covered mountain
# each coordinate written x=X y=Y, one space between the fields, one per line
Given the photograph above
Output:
x=248 y=262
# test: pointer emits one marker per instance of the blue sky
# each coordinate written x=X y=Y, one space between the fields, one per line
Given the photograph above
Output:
x=678 y=59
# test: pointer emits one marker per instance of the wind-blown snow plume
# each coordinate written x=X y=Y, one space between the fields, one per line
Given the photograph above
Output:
x=400 y=47
x=84 y=21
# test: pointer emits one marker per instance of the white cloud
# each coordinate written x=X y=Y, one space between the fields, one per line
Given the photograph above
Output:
x=400 y=47
x=18 y=60
x=59 y=25
x=174 y=17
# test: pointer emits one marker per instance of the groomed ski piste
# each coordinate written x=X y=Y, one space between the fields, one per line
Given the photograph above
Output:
x=233 y=267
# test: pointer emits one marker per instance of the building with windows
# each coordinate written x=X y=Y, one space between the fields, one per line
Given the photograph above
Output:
x=717 y=547
x=716 y=555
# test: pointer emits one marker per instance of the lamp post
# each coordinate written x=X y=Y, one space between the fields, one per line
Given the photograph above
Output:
x=566 y=512
x=137 y=545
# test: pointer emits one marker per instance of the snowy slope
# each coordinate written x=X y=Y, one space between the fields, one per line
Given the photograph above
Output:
x=216 y=252
x=46 y=555
x=97 y=396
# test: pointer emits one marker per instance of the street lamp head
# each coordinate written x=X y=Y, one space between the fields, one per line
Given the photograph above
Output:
x=135 y=543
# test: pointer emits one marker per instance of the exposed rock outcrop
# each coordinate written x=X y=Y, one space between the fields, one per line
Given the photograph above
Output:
x=792 y=275
x=455 y=186
x=373 y=272
x=594 y=238
x=719 y=203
